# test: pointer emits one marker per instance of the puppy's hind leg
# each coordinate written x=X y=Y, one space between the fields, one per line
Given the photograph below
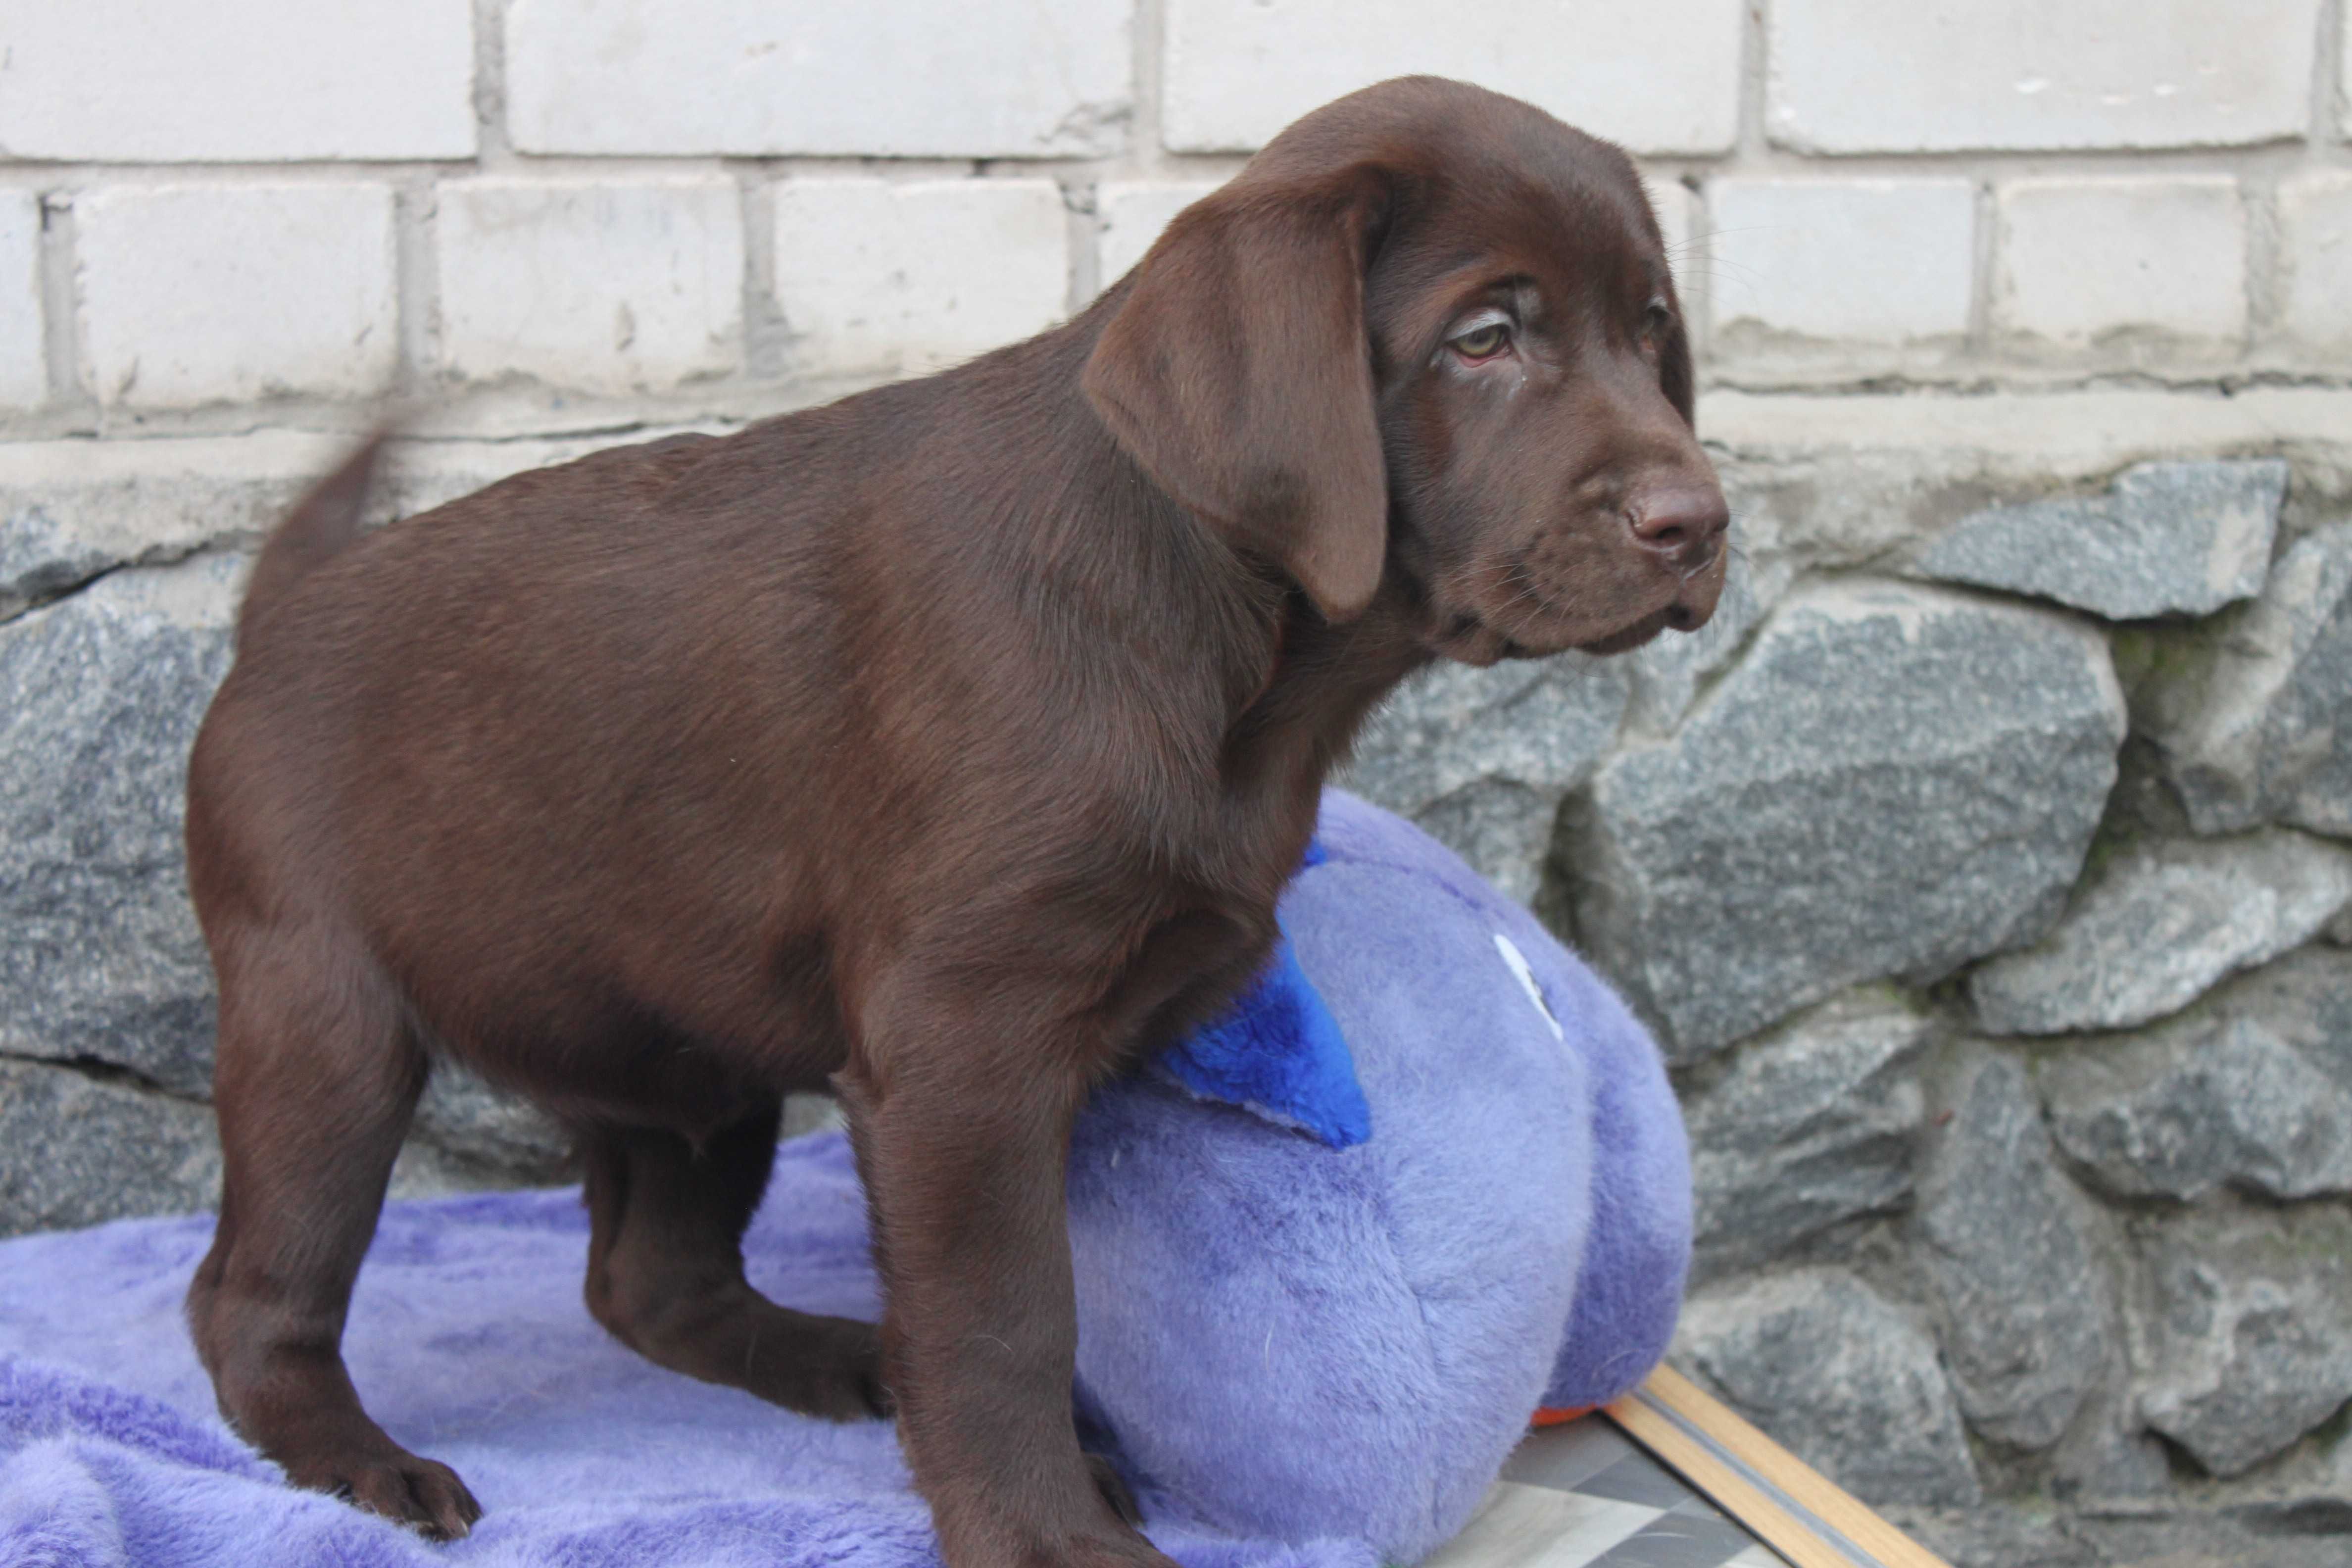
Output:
x=317 y=1076
x=665 y=1272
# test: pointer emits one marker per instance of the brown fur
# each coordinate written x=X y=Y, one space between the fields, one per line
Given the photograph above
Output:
x=948 y=746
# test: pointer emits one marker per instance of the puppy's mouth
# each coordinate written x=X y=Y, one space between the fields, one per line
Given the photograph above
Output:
x=1514 y=617
x=1469 y=639
x=1644 y=630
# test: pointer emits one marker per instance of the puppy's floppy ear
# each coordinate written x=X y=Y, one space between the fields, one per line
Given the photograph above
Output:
x=1238 y=373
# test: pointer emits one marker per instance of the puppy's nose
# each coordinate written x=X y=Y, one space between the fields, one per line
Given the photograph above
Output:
x=1683 y=525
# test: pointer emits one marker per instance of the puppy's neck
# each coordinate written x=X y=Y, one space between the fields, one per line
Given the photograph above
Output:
x=1317 y=684
x=1291 y=688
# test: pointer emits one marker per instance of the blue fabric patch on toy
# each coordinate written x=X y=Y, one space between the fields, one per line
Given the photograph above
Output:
x=1278 y=1054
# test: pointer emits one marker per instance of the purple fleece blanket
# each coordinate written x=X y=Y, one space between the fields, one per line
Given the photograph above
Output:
x=1332 y=1338
x=468 y=1342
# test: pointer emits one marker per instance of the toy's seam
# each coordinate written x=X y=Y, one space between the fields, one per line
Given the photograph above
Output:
x=1387 y=1209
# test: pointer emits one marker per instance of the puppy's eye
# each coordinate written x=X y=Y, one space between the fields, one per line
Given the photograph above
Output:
x=1656 y=318
x=1483 y=342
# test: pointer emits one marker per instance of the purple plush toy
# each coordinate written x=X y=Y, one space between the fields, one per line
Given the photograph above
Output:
x=1313 y=1328
x=1297 y=1324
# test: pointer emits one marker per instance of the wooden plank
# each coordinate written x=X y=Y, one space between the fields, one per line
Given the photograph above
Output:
x=1811 y=1489
x=1785 y=1501
x=1724 y=1486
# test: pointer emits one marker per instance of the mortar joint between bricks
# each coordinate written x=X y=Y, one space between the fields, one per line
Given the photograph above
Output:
x=60 y=290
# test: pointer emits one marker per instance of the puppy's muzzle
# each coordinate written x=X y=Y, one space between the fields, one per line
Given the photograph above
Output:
x=1684 y=530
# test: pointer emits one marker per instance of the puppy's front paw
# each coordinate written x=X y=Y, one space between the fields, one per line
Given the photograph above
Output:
x=422 y=1494
x=1125 y=1550
x=1086 y=1538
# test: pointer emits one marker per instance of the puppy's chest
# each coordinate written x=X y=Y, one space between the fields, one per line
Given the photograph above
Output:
x=1214 y=933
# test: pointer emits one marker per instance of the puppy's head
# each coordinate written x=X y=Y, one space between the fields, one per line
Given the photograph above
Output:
x=1428 y=341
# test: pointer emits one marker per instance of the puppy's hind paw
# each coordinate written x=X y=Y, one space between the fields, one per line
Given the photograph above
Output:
x=835 y=1374
x=1115 y=1490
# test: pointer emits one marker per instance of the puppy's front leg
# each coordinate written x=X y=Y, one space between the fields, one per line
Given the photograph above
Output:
x=961 y=1116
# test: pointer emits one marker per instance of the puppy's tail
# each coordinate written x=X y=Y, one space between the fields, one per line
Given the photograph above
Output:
x=321 y=525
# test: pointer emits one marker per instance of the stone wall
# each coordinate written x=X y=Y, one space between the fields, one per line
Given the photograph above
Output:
x=1983 y=866
x=1982 y=869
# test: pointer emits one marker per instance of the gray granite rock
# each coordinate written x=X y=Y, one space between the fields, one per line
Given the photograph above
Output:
x=2022 y=1298
x=2157 y=925
x=805 y=1113
x=99 y=697
x=1502 y=827
x=2265 y=1533
x=428 y=1171
x=76 y=1149
x=2242 y=1332
x=79 y=1147
x=70 y=510
x=1999 y=1535
x=1668 y=672
x=40 y=558
x=1842 y=506
x=1480 y=758
x=2107 y=1455
x=2258 y=727
x=1813 y=1124
x=487 y=1128
x=1829 y=1368
x=1894 y=781
x=2305 y=998
x=2184 y=1112
x=2168 y=539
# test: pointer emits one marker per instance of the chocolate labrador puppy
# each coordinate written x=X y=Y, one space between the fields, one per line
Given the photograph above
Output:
x=947 y=746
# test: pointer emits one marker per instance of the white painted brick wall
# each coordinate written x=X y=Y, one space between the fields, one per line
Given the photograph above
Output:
x=1132 y=214
x=1842 y=261
x=1660 y=77
x=2315 y=235
x=135 y=80
x=606 y=285
x=1671 y=204
x=2344 y=72
x=877 y=275
x=214 y=292
x=1129 y=215
x=1001 y=78
x=2052 y=189
x=2083 y=260
x=23 y=370
x=1899 y=76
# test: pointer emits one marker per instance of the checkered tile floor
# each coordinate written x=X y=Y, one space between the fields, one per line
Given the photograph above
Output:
x=1582 y=1495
